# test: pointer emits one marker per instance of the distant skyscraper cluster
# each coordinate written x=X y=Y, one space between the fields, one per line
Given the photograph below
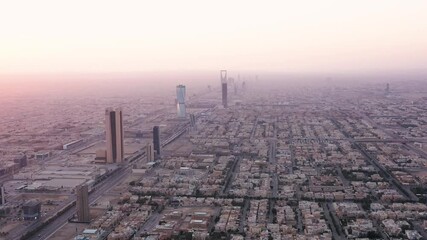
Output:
x=114 y=152
x=180 y=101
x=115 y=135
x=224 y=88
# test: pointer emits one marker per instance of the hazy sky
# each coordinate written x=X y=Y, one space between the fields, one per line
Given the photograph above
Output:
x=156 y=35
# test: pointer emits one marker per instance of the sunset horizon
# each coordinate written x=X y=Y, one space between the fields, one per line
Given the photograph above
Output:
x=213 y=120
x=306 y=36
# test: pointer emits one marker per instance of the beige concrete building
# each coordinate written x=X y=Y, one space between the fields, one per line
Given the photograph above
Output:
x=149 y=152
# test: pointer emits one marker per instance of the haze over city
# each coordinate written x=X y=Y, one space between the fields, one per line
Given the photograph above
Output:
x=207 y=120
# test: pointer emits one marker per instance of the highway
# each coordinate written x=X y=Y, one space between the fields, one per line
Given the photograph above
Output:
x=274 y=178
x=104 y=186
x=18 y=232
x=114 y=179
x=333 y=221
x=254 y=129
x=273 y=175
x=149 y=224
x=245 y=208
x=230 y=176
x=389 y=177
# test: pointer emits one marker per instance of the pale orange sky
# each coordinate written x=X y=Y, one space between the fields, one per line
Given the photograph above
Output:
x=291 y=36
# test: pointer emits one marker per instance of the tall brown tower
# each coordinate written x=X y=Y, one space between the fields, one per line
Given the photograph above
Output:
x=115 y=135
x=82 y=203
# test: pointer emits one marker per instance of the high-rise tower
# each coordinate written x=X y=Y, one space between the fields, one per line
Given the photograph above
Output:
x=114 y=134
x=192 y=120
x=149 y=152
x=156 y=140
x=180 y=101
x=82 y=203
x=2 y=197
x=224 y=88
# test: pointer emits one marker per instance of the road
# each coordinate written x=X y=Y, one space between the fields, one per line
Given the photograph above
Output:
x=299 y=221
x=274 y=182
x=231 y=174
x=343 y=179
x=18 y=232
x=149 y=224
x=242 y=223
x=254 y=129
x=418 y=226
x=272 y=160
x=56 y=225
x=99 y=189
x=389 y=177
x=329 y=219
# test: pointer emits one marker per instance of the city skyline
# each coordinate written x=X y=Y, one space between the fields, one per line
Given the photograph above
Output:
x=351 y=155
x=234 y=120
